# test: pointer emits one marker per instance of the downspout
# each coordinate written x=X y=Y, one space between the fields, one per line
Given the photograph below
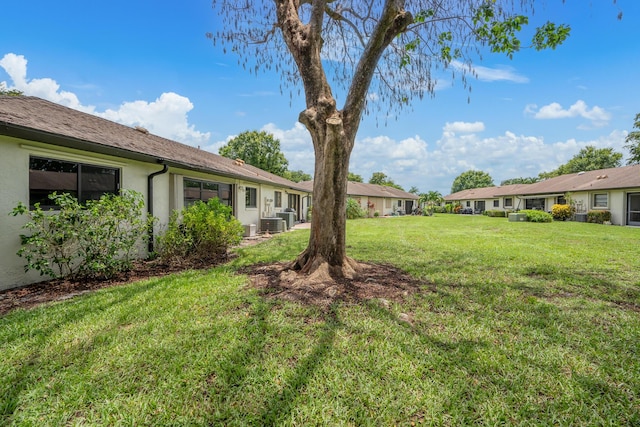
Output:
x=165 y=168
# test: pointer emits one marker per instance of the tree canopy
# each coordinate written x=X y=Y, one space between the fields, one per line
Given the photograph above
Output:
x=381 y=178
x=633 y=143
x=471 y=179
x=297 y=176
x=259 y=149
x=588 y=159
x=354 y=177
x=529 y=180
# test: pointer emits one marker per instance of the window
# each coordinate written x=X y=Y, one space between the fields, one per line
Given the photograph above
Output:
x=468 y=203
x=508 y=202
x=496 y=203
x=278 y=199
x=561 y=200
x=600 y=200
x=387 y=203
x=84 y=182
x=204 y=190
x=536 y=204
x=251 y=197
x=399 y=203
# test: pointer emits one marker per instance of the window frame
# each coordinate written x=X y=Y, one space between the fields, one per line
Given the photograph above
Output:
x=277 y=199
x=508 y=202
x=496 y=203
x=83 y=191
x=219 y=188
x=251 y=197
x=596 y=205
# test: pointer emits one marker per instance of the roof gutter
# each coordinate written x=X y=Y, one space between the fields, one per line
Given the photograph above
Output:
x=164 y=170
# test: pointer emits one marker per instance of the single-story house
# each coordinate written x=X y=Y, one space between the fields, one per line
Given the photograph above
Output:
x=615 y=189
x=47 y=147
x=378 y=198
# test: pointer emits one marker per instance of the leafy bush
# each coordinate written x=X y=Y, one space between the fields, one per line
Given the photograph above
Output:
x=537 y=216
x=309 y=213
x=440 y=209
x=561 y=212
x=354 y=211
x=495 y=213
x=202 y=231
x=598 y=217
x=98 y=239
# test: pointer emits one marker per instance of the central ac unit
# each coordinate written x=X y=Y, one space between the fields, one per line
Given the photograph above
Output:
x=272 y=225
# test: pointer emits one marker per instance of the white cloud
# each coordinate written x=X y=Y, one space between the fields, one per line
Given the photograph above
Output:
x=464 y=127
x=500 y=73
x=166 y=116
x=596 y=115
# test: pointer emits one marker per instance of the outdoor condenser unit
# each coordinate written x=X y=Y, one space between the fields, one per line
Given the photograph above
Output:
x=272 y=225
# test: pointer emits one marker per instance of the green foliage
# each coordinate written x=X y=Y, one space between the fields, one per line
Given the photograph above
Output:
x=354 y=177
x=598 y=216
x=98 y=239
x=561 y=212
x=202 y=231
x=309 y=213
x=588 y=159
x=495 y=213
x=471 y=179
x=537 y=216
x=633 y=143
x=297 y=176
x=380 y=178
x=529 y=180
x=259 y=149
x=9 y=92
x=354 y=210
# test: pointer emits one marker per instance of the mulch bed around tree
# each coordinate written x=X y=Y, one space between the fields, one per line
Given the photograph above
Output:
x=382 y=282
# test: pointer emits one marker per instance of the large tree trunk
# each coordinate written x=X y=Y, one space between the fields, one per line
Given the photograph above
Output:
x=326 y=253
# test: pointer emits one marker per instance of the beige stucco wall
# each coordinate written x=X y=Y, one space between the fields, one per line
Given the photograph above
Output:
x=168 y=194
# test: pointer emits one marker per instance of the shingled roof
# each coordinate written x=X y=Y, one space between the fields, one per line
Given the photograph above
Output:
x=36 y=119
x=370 y=190
x=601 y=179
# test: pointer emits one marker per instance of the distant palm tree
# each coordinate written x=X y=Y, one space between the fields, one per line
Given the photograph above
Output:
x=430 y=199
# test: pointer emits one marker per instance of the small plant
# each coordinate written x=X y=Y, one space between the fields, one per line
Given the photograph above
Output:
x=598 y=217
x=201 y=231
x=376 y=214
x=561 y=212
x=537 y=216
x=495 y=213
x=354 y=211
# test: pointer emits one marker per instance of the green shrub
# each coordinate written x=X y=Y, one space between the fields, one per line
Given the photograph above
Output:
x=439 y=209
x=97 y=239
x=537 y=216
x=202 y=231
x=309 y=213
x=354 y=210
x=495 y=213
x=561 y=212
x=598 y=217
x=376 y=214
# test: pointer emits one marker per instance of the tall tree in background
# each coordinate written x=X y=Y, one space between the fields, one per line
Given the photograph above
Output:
x=380 y=178
x=297 y=176
x=354 y=177
x=633 y=143
x=388 y=47
x=589 y=158
x=529 y=180
x=471 y=179
x=259 y=149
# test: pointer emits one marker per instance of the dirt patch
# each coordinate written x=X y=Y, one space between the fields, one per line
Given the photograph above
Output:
x=377 y=281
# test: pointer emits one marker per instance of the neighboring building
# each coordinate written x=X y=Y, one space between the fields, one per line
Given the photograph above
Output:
x=616 y=190
x=47 y=147
x=378 y=198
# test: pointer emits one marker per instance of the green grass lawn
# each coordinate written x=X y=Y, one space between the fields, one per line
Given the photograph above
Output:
x=521 y=324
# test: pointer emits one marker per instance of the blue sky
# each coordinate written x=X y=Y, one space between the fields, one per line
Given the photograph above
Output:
x=148 y=63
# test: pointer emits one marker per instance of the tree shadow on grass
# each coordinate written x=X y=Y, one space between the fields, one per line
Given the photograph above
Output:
x=50 y=321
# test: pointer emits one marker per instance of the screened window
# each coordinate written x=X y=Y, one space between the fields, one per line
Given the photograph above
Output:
x=600 y=200
x=508 y=202
x=496 y=203
x=468 y=203
x=537 y=204
x=278 y=199
x=561 y=200
x=84 y=182
x=195 y=190
x=251 y=197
